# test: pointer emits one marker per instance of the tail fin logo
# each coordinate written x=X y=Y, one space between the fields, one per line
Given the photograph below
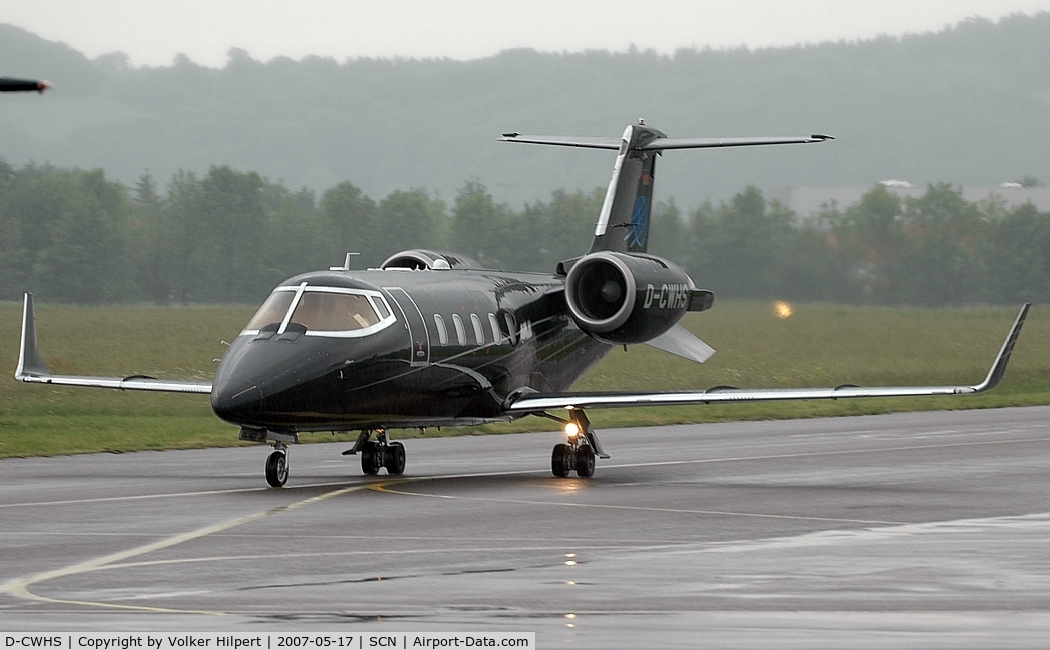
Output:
x=638 y=235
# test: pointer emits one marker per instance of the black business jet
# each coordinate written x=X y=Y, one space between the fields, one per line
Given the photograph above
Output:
x=432 y=339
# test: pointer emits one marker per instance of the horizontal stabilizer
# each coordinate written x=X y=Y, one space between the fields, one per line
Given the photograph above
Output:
x=623 y=222
x=586 y=142
x=538 y=402
x=660 y=143
x=32 y=369
x=680 y=341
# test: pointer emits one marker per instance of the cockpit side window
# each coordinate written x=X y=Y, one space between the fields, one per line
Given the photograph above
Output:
x=273 y=310
x=381 y=306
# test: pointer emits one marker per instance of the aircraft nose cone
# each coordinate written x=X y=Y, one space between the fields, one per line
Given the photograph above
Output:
x=237 y=401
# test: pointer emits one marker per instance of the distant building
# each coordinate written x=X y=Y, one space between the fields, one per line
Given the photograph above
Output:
x=807 y=202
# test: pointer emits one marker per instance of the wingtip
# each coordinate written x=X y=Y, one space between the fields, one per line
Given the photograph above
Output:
x=998 y=369
x=30 y=361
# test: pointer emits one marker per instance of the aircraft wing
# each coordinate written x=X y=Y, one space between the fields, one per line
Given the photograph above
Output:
x=537 y=402
x=32 y=369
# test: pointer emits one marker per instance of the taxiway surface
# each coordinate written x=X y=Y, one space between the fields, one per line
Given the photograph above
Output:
x=923 y=529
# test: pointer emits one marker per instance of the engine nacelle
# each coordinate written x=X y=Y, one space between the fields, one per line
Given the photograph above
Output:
x=626 y=298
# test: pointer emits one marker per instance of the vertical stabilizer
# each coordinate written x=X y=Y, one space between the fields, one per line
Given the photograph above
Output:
x=623 y=224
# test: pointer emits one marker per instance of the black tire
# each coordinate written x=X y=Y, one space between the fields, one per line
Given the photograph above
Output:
x=370 y=461
x=395 y=458
x=560 y=460
x=277 y=469
x=585 y=461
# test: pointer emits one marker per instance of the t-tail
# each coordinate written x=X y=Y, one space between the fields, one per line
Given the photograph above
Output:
x=623 y=223
x=617 y=292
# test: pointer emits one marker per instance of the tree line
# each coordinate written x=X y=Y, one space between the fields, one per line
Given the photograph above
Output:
x=72 y=235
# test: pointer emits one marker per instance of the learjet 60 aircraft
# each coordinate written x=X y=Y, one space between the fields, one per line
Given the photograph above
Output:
x=432 y=339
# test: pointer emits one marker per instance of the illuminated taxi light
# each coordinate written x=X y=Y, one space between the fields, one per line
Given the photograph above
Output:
x=572 y=429
x=782 y=309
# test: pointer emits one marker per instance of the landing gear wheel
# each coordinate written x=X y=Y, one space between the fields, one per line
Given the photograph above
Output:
x=277 y=468
x=395 y=458
x=370 y=458
x=585 y=461
x=560 y=460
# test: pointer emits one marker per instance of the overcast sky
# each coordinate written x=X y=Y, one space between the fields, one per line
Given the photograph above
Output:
x=152 y=32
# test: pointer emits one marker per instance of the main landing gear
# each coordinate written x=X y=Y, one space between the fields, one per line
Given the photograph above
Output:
x=379 y=453
x=581 y=450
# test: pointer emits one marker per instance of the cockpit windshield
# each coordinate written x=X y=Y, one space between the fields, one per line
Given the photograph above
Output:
x=334 y=312
x=323 y=311
x=273 y=310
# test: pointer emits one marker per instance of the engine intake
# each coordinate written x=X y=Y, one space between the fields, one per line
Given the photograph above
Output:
x=626 y=298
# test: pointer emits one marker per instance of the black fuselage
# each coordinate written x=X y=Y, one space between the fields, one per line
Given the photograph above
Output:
x=455 y=345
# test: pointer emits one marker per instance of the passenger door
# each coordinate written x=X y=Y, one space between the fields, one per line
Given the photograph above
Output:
x=417 y=327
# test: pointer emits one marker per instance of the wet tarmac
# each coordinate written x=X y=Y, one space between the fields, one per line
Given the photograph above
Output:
x=908 y=530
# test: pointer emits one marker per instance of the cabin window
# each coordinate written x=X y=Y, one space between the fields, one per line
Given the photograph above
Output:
x=512 y=328
x=442 y=332
x=273 y=310
x=334 y=312
x=497 y=336
x=461 y=334
x=479 y=334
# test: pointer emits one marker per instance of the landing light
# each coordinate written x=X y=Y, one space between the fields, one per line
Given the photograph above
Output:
x=782 y=309
x=572 y=429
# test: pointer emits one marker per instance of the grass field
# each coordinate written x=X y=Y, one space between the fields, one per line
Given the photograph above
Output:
x=820 y=345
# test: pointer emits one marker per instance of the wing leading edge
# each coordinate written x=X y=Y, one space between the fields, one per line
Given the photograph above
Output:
x=32 y=369
x=537 y=402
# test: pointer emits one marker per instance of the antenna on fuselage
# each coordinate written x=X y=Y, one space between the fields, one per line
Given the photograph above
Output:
x=346 y=263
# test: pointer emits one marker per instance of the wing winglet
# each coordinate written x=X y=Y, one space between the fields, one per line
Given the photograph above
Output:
x=998 y=369
x=30 y=361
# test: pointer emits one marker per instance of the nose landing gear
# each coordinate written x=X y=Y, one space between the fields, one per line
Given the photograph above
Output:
x=277 y=465
x=276 y=468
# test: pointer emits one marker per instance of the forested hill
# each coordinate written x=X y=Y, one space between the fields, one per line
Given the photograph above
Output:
x=967 y=105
